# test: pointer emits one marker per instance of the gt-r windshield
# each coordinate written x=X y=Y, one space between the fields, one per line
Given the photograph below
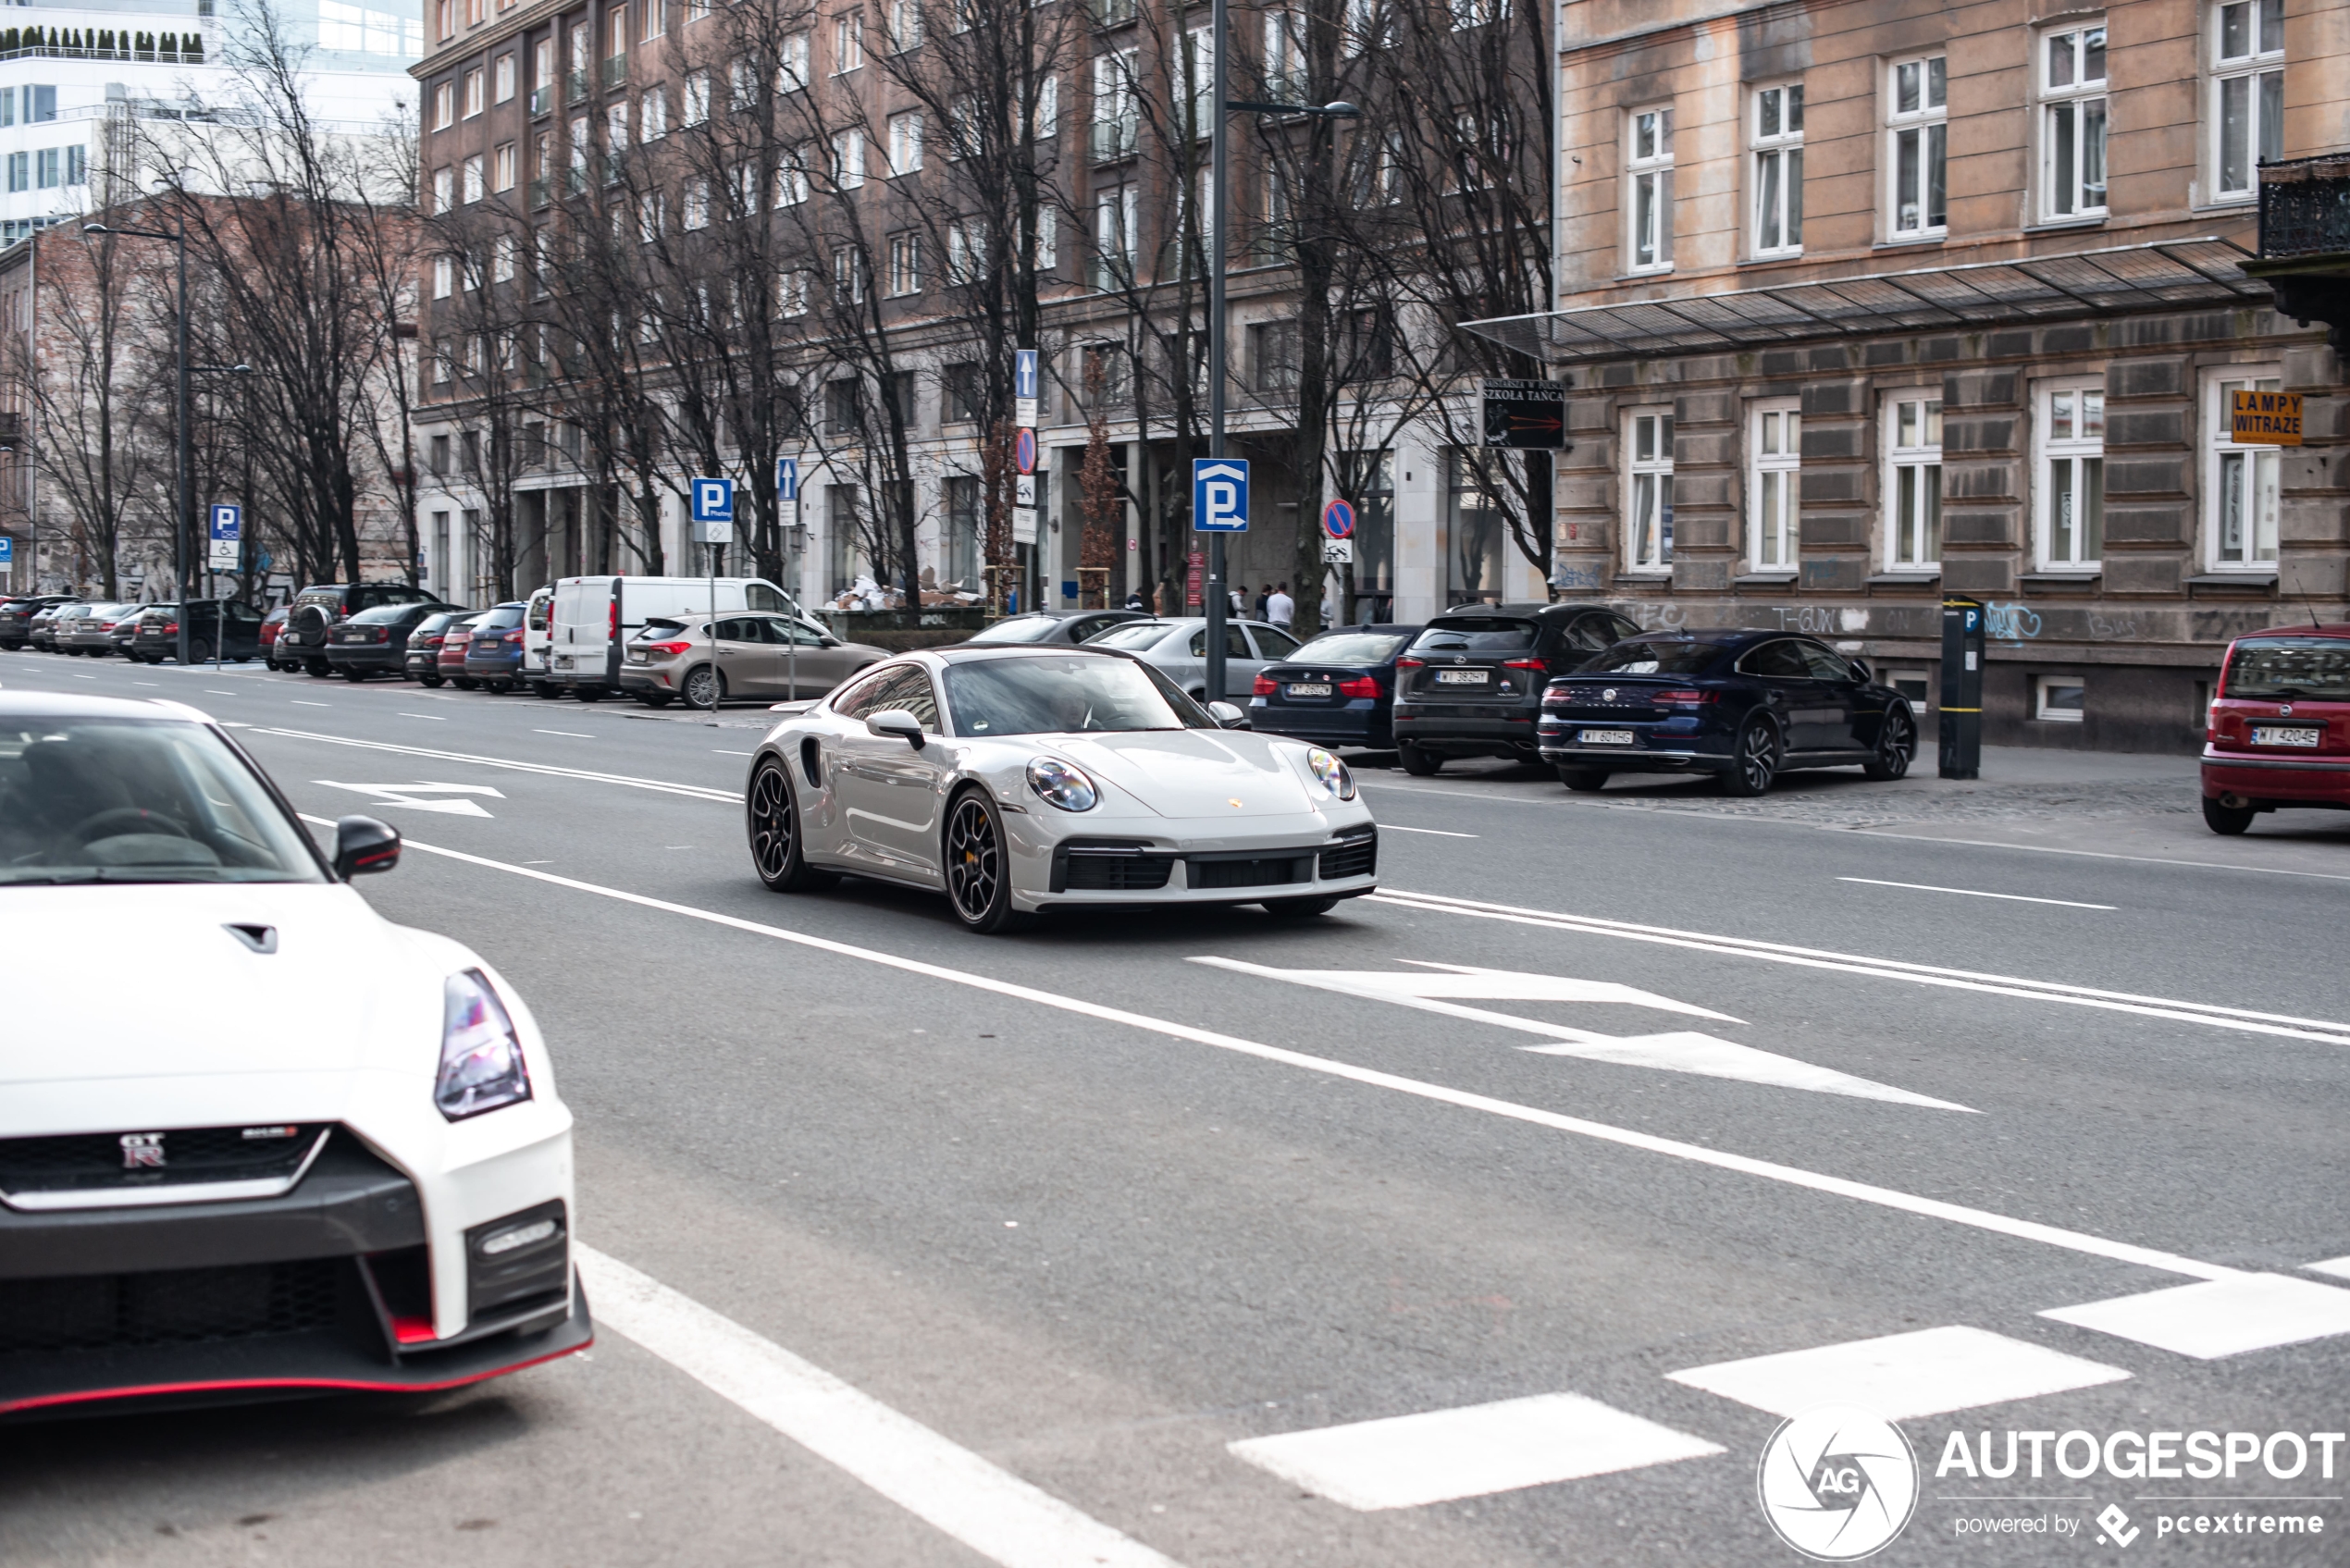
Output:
x=1074 y=695
x=90 y=800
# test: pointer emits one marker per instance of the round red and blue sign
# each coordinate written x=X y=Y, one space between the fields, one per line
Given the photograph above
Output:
x=1024 y=452
x=1338 y=519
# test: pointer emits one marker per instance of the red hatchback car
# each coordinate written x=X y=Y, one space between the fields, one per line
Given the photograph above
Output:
x=2278 y=730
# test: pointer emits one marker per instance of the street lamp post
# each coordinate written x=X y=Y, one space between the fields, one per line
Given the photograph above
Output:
x=184 y=451
x=1219 y=602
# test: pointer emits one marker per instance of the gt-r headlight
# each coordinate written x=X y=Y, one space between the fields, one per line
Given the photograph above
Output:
x=1057 y=784
x=481 y=1064
x=1330 y=773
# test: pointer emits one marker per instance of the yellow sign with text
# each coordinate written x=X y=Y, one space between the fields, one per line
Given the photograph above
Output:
x=2265 y=419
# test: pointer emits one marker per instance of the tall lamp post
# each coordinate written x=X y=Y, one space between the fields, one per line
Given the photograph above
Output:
x=1218 y=152
x=183 y=454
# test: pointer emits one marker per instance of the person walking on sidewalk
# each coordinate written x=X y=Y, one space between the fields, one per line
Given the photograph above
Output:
x=1280 y=609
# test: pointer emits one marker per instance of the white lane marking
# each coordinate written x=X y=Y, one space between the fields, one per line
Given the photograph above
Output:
x=1681 y=1051
x=716 y=751
x=1408 y=1460
x=210 y=692
x=2338 y=1268
x=574 y=734
x=1902 y=1376
x=988 y=1509
x=436 y=718
x=80 y=676
x=158 y=685
x=2098 y=854
x=1973 y=893
x=405 y=794
x=299 y=702
x=1696 y=1153
x=698 y=792
x=2326 y=1029
x=1432 y=833
x=2220 y=1317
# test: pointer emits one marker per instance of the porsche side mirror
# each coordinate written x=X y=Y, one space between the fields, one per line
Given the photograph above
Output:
x=896 y=722
x=1227 y=716
x=1862 y=673
x=363 y=846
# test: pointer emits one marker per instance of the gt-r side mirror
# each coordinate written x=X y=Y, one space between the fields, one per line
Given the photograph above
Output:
x=1861 y=671
x=364 y=845
x=896 y=722
x=1227 y=716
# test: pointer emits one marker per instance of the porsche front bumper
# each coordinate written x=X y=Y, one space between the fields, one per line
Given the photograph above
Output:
x=1208 y=863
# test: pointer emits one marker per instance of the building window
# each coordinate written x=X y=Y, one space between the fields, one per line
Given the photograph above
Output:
x=694 y=107
x=1648 y=489
x=2071 y=475
x=48 y=168
x=693 y=212
x=1773 y=477
x=2240 y=479
x=1647 y=165
x=1272 y=353
x=476 y=89
x=849 y=43
x=1116 y=213
x=962 y=552
x=1917 y=129
x=2058 y=698
x=473 y=177
x=906 y=142
x=1476 y=528
x=2072 y=122
x=849 y=159
x=905 y=265
x=1368 y=478
x=849 y=281
x=791 y=177
x=2248 y=93
x=653 y=115
x=502 y=79
x=1913 y=482
x=76 y=166
x=966 y=250
x=503 y=167
x=656 y=17
x=791 y=66
x=444 y=190
x=21 y=171
x=958 y=387
x=445 y=106
x=1777 y=143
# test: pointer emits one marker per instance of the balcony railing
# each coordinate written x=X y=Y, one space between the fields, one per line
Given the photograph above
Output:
x=2305 y=207
x=542 y=99
x=615 y=69
x=540 y=192
x=576 y=86
x=1115 y=139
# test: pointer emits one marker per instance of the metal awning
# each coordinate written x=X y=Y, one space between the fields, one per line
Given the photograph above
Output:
x=2153 y=275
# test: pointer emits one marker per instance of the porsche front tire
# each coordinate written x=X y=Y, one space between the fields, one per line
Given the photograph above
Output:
x=978 y=862
x=776 y=845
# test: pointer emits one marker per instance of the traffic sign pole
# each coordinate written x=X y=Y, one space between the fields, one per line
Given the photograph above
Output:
x=714 y=516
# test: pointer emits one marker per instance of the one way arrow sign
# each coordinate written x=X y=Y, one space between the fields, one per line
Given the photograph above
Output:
x=405 y=794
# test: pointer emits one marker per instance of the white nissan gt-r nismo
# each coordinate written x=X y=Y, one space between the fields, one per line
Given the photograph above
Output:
x=329 y=1158
x=1016 y=780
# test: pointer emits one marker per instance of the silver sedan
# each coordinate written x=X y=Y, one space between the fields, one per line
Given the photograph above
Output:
x=759 y=656
x=1179 y=646
x=1017 y=780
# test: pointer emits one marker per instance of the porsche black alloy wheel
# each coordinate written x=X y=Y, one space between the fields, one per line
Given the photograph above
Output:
x=1754 y=760
x=774 y=834
x=1897 y=742
x=978 y=871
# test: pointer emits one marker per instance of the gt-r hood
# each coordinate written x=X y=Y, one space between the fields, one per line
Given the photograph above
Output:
x=117 y=982
x=1191 y=773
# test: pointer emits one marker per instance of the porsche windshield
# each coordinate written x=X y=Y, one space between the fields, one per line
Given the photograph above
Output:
x=1066 y=695
x=90 y=799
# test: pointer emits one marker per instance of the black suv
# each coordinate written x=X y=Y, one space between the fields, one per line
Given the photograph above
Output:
x=1471 y=683
x=228 y=631
x=316 y=612
x=15 y=616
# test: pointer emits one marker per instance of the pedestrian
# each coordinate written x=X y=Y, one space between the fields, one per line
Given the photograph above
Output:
x=1280 y=609
x=1239 y=604
x=1134 y=599
x=1262 y=594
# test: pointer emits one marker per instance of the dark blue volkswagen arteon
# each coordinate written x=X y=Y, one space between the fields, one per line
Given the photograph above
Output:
x=1746 y=706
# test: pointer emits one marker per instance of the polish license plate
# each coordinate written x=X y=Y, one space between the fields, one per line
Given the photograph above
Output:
x=1464 y=678
x=635 y=656
x=564 y=662
x=1604 y=737
x=2286 y=734
x=1309 y=689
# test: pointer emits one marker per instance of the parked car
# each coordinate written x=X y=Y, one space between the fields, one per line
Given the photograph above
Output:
x=493 y=650
x=538 y=634
x=594 y=619
x=374 y=641
x=117 y=628
x=770 y=657
x=316 y=611
x=41 y=631
x=1180 y=648
x=84 y=628
x=1745 y=706
x=124 y=636
x=211 y=1215
x=1471 y=685
x=1127 y=792
x=231 y=630
x=1055 y=627
x=1337 y=690
x=449 y=659
x=2277 y=732
x=422 y=662
x=271 y=624
x=16 y=617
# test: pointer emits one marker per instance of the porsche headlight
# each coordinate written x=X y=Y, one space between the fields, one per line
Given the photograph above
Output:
x=1057 y=784
x=481 y=1065
x=1330 y=773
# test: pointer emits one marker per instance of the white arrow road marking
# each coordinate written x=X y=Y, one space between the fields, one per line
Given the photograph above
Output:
x=1683 y=1051
x=1467 y=981
x=404 y=794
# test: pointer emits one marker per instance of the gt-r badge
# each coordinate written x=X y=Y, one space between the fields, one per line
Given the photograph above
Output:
x=141 y=1150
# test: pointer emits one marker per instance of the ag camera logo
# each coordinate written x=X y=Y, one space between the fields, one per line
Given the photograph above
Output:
x=1838 y=1483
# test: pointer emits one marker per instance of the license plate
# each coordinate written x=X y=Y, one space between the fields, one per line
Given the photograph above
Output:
x=2286 y=734
x=1604 y=737
x=1309 y=689
x=563 y=663
x=635 y=656
x=1463 y=677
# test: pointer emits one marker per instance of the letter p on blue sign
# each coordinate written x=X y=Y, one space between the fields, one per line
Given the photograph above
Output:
x=1219 y=495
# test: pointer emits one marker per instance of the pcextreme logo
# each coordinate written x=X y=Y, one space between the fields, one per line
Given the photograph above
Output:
x=1838 y=1483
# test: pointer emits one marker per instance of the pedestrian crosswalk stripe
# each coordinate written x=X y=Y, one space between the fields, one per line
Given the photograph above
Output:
x=2339 y=1268
x=1901 y=1375
x=2220 y=1317
x=1405 y=1460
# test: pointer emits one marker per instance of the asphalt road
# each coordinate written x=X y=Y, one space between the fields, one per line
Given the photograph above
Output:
x=1091 y=1210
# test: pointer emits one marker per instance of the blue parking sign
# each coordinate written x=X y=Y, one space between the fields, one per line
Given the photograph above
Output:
x=7 y=549
x=714 y=510
x=1219 y=495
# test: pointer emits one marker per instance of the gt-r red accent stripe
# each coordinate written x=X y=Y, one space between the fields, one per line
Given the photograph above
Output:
x=346 y=1384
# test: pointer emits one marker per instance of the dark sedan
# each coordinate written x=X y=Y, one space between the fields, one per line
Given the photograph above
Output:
x=422 y=662
x=1471 y=685
x=493 y=654
x=374 y=641
x=1745 y=706
x=1337 y=690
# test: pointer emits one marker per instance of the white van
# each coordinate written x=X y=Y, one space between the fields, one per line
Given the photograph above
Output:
x=594 y=618
x=537 y=633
